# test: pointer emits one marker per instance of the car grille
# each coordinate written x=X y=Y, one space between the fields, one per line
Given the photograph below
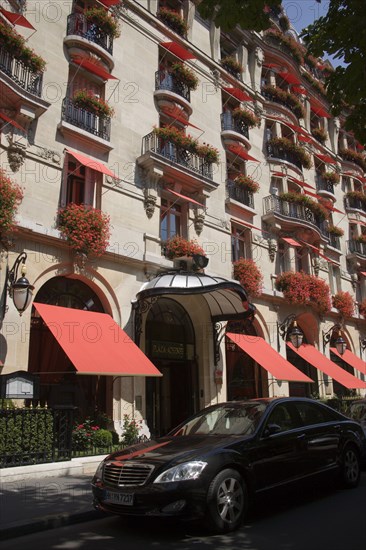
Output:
x=129 y=474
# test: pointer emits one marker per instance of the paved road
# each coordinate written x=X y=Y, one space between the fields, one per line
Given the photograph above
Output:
x=306 y=519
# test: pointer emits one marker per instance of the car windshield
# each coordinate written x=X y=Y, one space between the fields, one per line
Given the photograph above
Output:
x=225 y=420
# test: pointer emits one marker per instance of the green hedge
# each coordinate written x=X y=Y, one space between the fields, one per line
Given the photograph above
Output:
x=25 y=432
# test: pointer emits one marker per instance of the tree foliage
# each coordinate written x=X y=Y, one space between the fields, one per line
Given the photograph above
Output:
x=249 y=14
x=341 y=33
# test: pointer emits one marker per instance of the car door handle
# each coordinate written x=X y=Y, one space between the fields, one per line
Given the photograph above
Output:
x=301 y=437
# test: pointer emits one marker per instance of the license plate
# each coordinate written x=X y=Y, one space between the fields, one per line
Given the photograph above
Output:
x=126 y=499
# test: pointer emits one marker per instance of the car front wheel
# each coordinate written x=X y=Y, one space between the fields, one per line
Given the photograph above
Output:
x=227 y=500
x=350 y=468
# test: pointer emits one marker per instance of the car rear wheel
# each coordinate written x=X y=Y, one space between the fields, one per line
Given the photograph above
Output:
x=350 y=467
x=227 y=501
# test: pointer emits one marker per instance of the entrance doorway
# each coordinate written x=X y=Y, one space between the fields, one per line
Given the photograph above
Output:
x=170 y=344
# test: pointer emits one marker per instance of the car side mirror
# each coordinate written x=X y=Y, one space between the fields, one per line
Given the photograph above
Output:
x=271 y=429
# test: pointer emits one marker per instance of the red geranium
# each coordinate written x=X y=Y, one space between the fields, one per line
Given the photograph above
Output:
x=11 y=196
x=177 y=246
x=303 y=289
x=343 y=301
x=249 y=276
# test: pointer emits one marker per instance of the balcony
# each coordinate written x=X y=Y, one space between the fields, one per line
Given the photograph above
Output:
x=353 y=203
x=21 y=75
x=176 y=163
x=85 y=120
x=286 y=99
x=324 y=187
x=279 y=153
x=234 y=129
x=78 y=25
x=356 y=247
x=165 y=81
x=275 y=206
x=334 y=241
x=239 y=194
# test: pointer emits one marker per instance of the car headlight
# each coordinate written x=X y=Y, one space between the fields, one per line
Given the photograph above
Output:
x=99 y=470
x=182 y=472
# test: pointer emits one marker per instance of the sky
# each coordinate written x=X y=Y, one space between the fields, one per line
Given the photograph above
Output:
x=304 y=12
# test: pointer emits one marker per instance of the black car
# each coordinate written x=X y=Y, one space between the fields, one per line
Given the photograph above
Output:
x=210 y=466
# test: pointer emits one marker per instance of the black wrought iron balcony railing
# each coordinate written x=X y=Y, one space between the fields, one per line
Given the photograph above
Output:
x=85 y=120
x=77 y=24
x=356 y=247
x=277 y=205
x=324 y=185
x=164 y=80
x=177 y=155
x=18 y=72
x=278 y=152
x=354 y=203
x=239 y=194
x=228 y=122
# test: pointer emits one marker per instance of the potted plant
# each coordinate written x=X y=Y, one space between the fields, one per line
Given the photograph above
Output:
x=294 y=48
x=353 y=156
x=208 y=152
x=343 y=301
x=361 y=238
x=316 y=208
x=331 y=177
x=246 y=182
x=11 y=196
x=335 y=230
x=15 y=45
x=249 y=276
x=362 y=308
x=106 y=22
x=315 y=83
x=174 y=20
x=357 y=195
x=290 y=147
x=303 y=289
x=320 y=134
x=177 y=247
x=245 y=116
x=284 y=23
x=276 y=94
x=231 y=65
x=184 y=75
x=85 y=228
x=86 y=99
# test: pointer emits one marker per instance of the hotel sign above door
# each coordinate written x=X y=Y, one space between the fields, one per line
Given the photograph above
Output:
x=168 y=350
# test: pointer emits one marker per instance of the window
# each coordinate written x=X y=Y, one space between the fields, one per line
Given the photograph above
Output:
x=334 y=278
x=240 y=243
x=80 y=184
x=283 y=260
x=311 y=414
x=281 y=417
x=172 y=219
x=302 y=260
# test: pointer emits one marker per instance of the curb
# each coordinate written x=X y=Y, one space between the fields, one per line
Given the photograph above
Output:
x=49 y=522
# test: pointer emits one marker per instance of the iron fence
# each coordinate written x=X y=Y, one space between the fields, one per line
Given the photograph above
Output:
x=17 y=71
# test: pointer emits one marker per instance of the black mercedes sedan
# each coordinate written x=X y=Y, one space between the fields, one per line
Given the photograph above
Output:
x=212 y=465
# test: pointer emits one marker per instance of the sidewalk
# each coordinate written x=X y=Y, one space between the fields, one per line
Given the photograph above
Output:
x=46 y=496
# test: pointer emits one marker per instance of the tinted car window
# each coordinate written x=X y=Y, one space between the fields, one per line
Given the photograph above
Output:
x=225 y=420
x=314 y=414
x=282 y=417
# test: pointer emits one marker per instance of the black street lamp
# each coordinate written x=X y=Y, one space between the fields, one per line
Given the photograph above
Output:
x=340 y=343
x=20 y=290
x=295 y=335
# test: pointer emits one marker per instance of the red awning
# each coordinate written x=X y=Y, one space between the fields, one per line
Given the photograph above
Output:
x=305 y=139
x=109 y=3
x=237 y=93
x=248 y=225
x=326 y=158
x=295 y=127
x=319 y=110
x=317 y=250
x=289 y=77
x=185 y=198
x=271 y=66
x=351 y=359
x=92 y=163
x=334 y=209
x=241 y=152
x=299 y=90
x=300 y=182
x=363 y=273
x=291 y=242
x=178 y=114
x=178 y=50
x=319 y=361
x=312 y=194
x=279 y=174
x=12 y=122
x=93 y=67
x=268 y=358
x=17 y=19
x=94 y=343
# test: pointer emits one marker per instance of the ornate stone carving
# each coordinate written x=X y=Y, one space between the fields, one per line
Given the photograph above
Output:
x=198 y=221
x=16 y=156
x=80 y=260
x=152 y=178
x=259 y=56
x=272 y=249
x=149 y=203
